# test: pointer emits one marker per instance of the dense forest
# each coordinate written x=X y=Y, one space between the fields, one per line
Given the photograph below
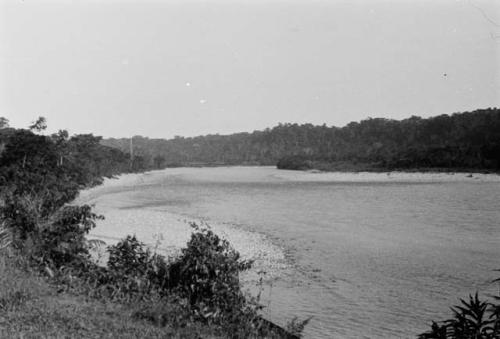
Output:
x=469 y=140
x=39 y=173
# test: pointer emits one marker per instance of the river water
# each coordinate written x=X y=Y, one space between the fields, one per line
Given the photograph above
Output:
x=366 y=255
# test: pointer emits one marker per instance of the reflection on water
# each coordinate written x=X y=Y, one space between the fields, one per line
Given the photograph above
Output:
x=370 y=255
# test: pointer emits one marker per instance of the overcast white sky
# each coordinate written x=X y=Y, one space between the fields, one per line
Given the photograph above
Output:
x=186 y=67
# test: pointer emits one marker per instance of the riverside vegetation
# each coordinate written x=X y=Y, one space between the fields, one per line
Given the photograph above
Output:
x=472 y=319
x=50 y=286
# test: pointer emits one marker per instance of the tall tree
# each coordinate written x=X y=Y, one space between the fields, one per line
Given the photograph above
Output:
x=39 y=125
x=4 y=122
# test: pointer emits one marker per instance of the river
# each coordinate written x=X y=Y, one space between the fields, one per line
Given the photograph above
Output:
x=366 y=255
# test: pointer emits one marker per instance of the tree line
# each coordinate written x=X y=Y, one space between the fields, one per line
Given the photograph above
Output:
x=468 y=140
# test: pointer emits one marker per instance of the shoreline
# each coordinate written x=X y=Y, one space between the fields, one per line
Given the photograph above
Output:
x=343 y=169
x=390 y=176
x=168 y=232
x=140 y=179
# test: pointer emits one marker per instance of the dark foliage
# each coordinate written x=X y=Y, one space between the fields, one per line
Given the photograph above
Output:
x=472 y=319
x=469 y=140
x=129 y=257
x=295 y=162
x=39 y=175
x=207 y=274
x=61 y=241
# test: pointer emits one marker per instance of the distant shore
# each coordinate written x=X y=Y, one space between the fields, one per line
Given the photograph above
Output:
x=338 y=166
x=304 y=164
x=134 y=180
x=374 y=169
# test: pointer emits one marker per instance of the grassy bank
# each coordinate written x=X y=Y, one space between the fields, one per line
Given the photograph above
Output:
x=137 y=295
x=31 y=305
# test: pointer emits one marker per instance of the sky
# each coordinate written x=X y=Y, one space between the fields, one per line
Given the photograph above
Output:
x=193 y=67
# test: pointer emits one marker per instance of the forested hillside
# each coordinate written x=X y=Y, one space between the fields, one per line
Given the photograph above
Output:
x=469 y=140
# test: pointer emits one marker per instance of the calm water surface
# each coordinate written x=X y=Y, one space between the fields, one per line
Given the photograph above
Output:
x=367 y=258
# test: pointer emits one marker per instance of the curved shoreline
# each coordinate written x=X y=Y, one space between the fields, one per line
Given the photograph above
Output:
x=169 y=232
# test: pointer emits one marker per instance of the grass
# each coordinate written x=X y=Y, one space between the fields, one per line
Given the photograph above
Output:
x=32 y=307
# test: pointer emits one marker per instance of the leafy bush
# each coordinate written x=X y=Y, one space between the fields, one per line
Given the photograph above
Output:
x=207 y=274
x=60 y=241
x=132 y=258
x=129 y=257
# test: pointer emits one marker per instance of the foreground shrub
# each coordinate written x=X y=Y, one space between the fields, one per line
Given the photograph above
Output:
x=473 y=319
x=132 y=261
x=60 y=241
x=129 y=257
x=207 y=273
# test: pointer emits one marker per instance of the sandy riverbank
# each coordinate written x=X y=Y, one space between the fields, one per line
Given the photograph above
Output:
x=167 y=232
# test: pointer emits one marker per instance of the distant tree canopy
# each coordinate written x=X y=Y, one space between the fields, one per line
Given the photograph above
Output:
x=39 y=125
x=469 y=140
x=4 y=122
